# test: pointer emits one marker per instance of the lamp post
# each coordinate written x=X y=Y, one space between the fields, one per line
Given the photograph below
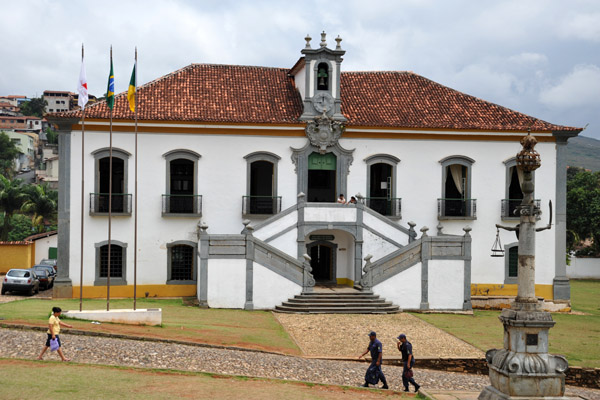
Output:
x=523 y=369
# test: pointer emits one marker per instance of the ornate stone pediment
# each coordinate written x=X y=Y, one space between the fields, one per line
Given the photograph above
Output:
x=324 y=132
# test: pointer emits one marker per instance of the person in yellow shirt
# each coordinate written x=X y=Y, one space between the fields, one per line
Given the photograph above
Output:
x=54 y=324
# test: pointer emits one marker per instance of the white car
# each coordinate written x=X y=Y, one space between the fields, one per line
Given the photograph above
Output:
x=21 y=280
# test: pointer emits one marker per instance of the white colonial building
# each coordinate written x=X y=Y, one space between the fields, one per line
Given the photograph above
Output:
x=221 y=145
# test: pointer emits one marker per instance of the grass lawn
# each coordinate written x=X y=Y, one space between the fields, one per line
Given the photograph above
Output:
x=574 y=336
x=251 y=329
x=50 y=380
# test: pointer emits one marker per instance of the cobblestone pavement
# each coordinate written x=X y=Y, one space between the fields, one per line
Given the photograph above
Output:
x=345 y=335
x=94 y=350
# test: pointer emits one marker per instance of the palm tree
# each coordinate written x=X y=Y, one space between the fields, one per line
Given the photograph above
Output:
x=12 y=198
x=41 y=205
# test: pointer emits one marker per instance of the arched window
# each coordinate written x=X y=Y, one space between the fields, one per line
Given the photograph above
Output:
x=121 y=200
x=118 y=263
x=261 y=187
x=381 y=185
x=456 y=201
x=181 y=197
x=181 y=262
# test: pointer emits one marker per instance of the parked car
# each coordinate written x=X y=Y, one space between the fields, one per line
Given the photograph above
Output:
x=46 y=281
x=49 y=261
x=51 y=270
x=21 y=280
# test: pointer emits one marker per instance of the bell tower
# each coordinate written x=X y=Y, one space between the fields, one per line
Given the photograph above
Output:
x=317 y=77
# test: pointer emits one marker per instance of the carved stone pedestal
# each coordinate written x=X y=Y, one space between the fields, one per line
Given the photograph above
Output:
x=523 y=369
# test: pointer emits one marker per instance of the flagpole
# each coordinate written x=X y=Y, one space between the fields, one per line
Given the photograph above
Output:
x=135 y=248
x=110 y=167
x=82 y=195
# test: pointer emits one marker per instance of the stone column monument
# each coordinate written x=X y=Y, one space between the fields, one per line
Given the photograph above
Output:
x=523 y=369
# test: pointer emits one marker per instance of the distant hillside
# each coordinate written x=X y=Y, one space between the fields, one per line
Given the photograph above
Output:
x=584 y=152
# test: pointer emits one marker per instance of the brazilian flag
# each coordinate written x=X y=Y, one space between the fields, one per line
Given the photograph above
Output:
x=110 y=90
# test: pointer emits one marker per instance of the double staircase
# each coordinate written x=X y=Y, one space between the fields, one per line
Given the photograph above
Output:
x=328 y=300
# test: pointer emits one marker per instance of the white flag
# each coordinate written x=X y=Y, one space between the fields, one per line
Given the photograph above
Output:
x=82 y=87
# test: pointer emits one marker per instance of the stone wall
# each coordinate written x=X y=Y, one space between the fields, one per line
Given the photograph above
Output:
x=576 y=376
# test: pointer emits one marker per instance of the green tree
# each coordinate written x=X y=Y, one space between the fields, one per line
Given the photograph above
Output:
x=8 y=153
x=52 y=136
x=12 y=198
x=41 y=205
x=34 y=107
x=20 y=227
x=583 y=209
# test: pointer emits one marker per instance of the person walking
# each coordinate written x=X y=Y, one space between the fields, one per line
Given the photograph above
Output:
x=408 y=360
x=374 y=369
x=54 y=324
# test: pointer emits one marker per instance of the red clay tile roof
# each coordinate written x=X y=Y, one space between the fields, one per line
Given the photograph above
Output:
x=244 y=94
x=40 y=236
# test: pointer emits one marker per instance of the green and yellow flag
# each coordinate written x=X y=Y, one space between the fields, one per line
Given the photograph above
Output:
x=132 y=89
x=110 y=90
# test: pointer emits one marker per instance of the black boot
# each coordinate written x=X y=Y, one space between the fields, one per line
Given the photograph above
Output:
x=417 y=388
x=366 y=384
x=385 y=386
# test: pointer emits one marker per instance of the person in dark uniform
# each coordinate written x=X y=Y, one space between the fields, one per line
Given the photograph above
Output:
x=408 y=360
x=376 y=350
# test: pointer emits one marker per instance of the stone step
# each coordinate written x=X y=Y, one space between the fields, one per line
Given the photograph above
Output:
x=339 y=310
x=371 y=297
x=353 y=301
x=383 y=303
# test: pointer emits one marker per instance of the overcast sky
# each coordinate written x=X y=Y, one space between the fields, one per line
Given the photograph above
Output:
x=540 y=57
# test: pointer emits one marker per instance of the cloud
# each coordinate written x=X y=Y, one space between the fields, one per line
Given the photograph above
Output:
x=585 y=26
x=580 y=88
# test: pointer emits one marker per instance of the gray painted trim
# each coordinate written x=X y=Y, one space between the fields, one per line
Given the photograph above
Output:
x=425 y=251
x=508 y=279
x=344 y=160
x=202 y=291
x=561 y=286
x=249 y=303
x=117 y=281
x=194 y=246
x=105 y=151
x=181 y=153
x=262 y=155
x=467 y=305
x=382 y=158
x=457 y=159
x=64 y=211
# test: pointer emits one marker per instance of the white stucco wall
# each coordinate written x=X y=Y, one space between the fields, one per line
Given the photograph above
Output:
x=222 y=182
x=376 y=246
x=271 y=289
x=385 y=229
x=43 y=245
x=403 y=289
x=584 y=268
x=446 y=284
x=300 y=82
x=226 y=283
x=277 y=226
x=287 y=243
x=330 y=214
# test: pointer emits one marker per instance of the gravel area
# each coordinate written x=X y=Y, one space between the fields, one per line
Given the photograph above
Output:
x=345 y=335
x=93 y=350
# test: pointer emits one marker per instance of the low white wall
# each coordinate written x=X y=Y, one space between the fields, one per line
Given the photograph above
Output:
x=584 y=268
x=446 y=284
x=226 y=283
x=271 y=289
x=330 y=214
x=403 y=289
x=151 y=316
